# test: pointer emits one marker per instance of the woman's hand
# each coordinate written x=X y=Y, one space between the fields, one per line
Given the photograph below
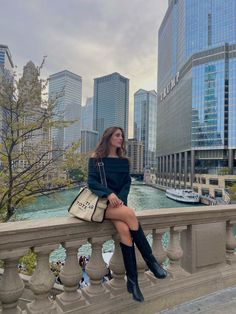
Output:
x=114 y=200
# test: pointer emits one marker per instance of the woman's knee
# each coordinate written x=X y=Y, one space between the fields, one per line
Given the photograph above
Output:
x=122 y=227
x=123 y=231
x=131 y=214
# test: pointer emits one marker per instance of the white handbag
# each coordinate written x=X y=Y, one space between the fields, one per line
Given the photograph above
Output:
x=87 y=205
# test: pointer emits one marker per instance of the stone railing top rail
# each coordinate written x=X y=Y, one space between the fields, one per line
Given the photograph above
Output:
x=57 y=230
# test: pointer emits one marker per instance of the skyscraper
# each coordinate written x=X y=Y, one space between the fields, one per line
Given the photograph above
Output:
x=89 y=140
x=6 y=63
x=38 y=139
x=135 y=153
x=65 y=88
x=145 y=110
x=6 y=70
x=196 y=115
x=87 y=114
x=111 y=102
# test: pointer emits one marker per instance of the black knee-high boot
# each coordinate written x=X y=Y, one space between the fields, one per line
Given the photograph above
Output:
x=142 y=244
x=131 y=271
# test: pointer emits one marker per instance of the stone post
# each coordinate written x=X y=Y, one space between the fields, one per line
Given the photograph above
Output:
x=175 y=252
x=42 y=282
x=230 y=243
x=157 y=249
x=175 y=169
x=185 y=168
x=180 y=170
x=159 y=170
x=167 y=170
x=96 y=269
x=143 y=278
x=162 y=169
x=231 y=161
x=171 y=171
x=117 y=284
x=11 y=284
x=70 y=276
x=192 y=173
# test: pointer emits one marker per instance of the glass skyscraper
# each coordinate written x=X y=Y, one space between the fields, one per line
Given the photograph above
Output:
x=87 y=114
x=6 y=71
x=145 y=111
x=196 y=113
x=89 y=140
x=6 y=63
x=65 y=89
x=111 y=102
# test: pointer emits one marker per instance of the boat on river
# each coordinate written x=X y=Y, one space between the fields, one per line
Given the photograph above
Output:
x=183 y=195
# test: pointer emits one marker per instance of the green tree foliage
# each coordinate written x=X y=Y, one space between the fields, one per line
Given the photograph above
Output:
x=29 y=262
x=223 y=171
x=29 y=162
x=232 y=192
x=75 y=163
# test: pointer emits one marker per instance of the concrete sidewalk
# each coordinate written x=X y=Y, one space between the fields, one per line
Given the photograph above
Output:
x=220 y=302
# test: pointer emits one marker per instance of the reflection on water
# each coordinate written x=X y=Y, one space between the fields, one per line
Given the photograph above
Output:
x=145 y=197
x=55 y=205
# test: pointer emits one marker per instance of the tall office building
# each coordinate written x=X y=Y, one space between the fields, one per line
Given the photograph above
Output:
x=145 y=111
x=196 y=113
x=65 y=88
x=135 y=153
x=89 y=140
x=111 y=102
x=87 y=114
x=6 y=63
x=30 y=90
x=6 y=70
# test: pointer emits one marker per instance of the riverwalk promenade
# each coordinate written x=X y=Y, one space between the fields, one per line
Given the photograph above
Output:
x=200 y=257
x=220 y=302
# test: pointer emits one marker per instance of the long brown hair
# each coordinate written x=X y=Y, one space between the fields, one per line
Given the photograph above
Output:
x=102 y=150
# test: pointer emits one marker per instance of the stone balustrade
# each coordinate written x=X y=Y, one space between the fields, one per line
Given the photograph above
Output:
x=200 y=259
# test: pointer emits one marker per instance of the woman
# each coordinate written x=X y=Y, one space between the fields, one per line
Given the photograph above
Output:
x=111 y=150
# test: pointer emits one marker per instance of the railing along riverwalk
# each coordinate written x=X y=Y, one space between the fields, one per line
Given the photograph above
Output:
x=200 y=252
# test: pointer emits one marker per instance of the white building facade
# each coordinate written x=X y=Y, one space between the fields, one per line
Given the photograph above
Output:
x=65 y=89
x=145 y=111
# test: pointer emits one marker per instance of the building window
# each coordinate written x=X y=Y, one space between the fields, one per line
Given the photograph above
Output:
x=213 y=181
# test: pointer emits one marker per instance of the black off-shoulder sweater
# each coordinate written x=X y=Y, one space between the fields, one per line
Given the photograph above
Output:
x=117 y=176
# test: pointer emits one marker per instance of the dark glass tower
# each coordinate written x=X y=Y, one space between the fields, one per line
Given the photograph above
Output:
x=196 y=114
x=111 y=102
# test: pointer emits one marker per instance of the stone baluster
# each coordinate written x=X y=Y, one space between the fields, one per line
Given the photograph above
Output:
x=143 y=278
x=175 y=252
x=96 y=269
x=157 y=249
x=11 y=284
x=230 y=243
x=42 y=282
x=70 y=275
x=117 y=284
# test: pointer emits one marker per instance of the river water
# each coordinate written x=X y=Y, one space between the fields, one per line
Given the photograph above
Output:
x=141 y=197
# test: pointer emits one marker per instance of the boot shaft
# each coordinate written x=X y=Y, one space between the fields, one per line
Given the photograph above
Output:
x=129 y=258
x=141 y=242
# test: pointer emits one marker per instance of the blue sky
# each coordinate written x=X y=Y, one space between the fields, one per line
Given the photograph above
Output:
x=88 y=37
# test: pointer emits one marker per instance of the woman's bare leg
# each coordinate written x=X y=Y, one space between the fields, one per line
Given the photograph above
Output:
x=123 y=213
x=123 y=230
